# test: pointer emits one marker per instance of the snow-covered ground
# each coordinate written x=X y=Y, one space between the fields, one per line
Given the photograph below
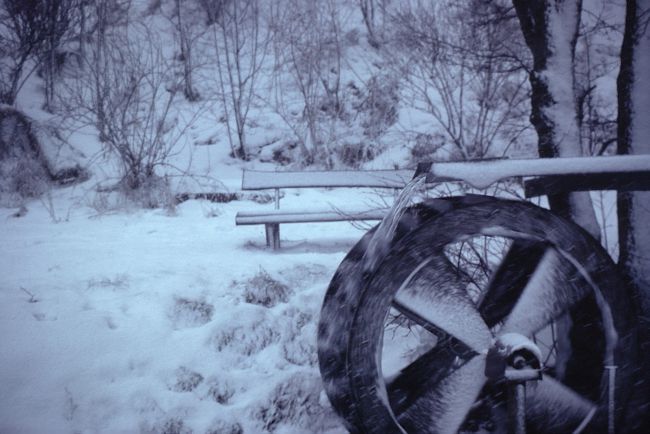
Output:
x=116 y=319
x=158 y=321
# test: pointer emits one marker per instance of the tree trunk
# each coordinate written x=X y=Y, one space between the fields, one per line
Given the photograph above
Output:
x=550 y=29
x=634 y=207
x=82 y=35
x=368 y=14
x=186 y=55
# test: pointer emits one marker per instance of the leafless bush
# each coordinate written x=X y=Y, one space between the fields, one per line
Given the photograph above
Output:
x=225 y=427
x=22 y=36
x=425 y=146
x=264 y=290
x=374 y=18
x=59 y=16
x=212 y=9
x=380 y=104
x=308 y=50
x=295 y=402
x=220 y=390
x=595 y=59
x=24 y=172
x=186 y=380
x=355 y=154
x=187 y=312
x=246 y=340
x=128 y=92
x=455 y=71
x=185 y=17
x=240 y=44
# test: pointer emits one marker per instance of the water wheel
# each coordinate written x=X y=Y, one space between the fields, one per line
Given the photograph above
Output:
x=403 y=344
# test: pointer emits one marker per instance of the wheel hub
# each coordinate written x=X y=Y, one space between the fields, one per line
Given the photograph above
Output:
x=515 y=358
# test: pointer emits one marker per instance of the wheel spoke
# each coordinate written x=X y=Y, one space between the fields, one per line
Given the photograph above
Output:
x=425 y=373
x=435 y=297
x=510 y=278
x=554 y=288
x=557 y=408
x=443 y=408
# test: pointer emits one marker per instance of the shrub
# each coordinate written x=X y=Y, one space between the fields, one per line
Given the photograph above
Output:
x=355 y=154
x=223 y=427
x=264 y=290
x=286 y=154
x=191 y=313
x=23 y=170
x=173 y=426
x=294 y=401
x=380 y=106
x=426 y=145
x=298 y=339
x=22 y=177
x=245 y=340
x=186 y=380
x=220 y=391
x=151 y=192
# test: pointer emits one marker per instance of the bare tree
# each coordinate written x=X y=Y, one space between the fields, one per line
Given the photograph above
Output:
x=22 y=36
x=596 y=60
x=58 y=21
x=240 y=49
x=188 y=31
x=368 y=12
x=374 y=14
x=212 y=9
x=554 y=102
x=308 y=43
x=103 y=17
x=459 y=72
x=634 y=207
x=551 y=28
x=131 y=97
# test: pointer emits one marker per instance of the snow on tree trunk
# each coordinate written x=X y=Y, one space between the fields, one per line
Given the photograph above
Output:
x=634 y=138
x=634 y=207
x=550 y=29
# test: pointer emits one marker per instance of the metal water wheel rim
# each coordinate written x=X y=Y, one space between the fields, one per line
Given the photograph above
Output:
x=488 y=206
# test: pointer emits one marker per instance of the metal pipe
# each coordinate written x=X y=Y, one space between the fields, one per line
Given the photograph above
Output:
x=517 y=408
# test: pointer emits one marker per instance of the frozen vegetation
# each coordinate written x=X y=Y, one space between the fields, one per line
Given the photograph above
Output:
x=130 y=301
x=142 y=321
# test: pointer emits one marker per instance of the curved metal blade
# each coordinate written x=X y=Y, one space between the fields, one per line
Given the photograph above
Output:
x=554 y=288
x=425 y=373
x=509 y=280
x=555 y=407
x=436 y=298
x=443 y=409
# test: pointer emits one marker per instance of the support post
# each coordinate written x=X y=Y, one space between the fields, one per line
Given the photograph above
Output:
x=267 y=230
x=272 y=235
x=273 y=229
